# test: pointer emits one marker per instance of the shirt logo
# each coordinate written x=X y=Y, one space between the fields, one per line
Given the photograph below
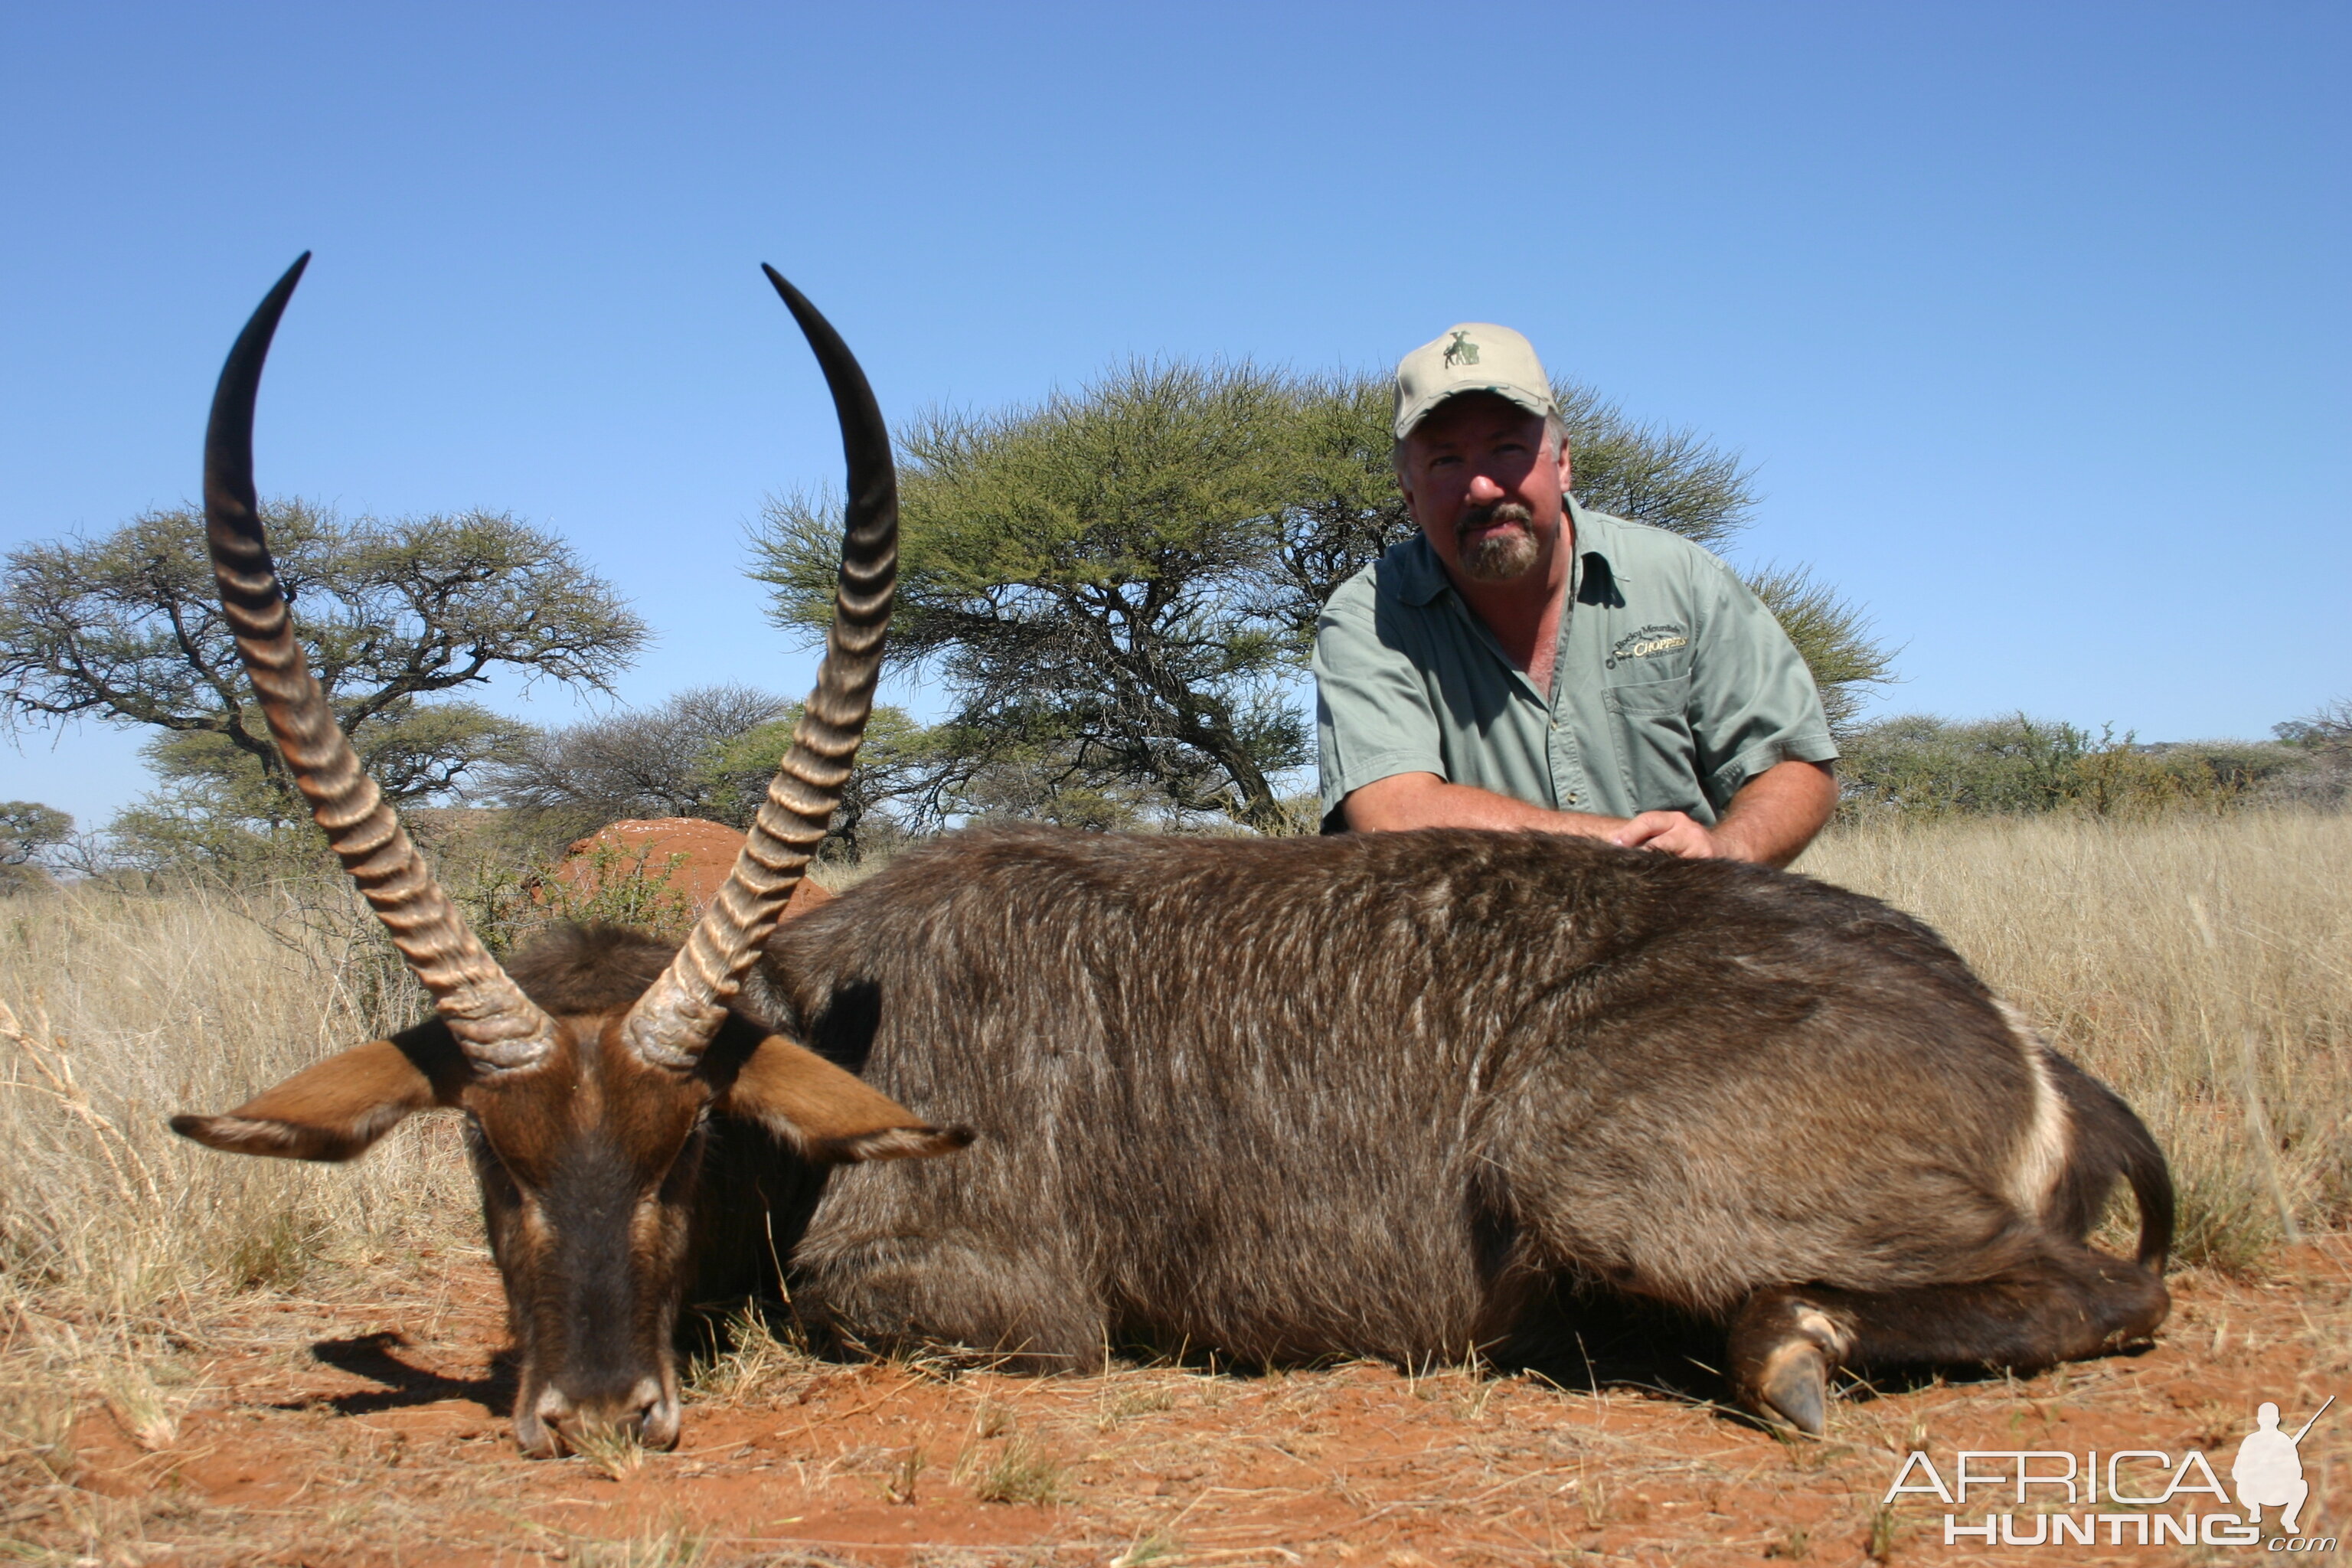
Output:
x=1461 y=350
x=1650 y=640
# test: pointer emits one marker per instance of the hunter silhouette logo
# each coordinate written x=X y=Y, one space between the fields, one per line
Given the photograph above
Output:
x=2268 y=1469
x=1461 y=350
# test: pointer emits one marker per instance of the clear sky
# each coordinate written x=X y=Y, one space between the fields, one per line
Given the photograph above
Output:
x=2034 y=316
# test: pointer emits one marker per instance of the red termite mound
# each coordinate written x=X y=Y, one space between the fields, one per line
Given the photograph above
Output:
x=653 y=847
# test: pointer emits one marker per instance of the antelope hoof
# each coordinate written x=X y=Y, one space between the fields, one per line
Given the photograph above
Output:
x=1782 y=1349
x=1795 y=1387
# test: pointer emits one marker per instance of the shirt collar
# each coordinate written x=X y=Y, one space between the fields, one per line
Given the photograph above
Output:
x=1411 y=573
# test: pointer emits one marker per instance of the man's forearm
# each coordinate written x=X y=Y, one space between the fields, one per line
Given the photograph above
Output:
x=1404 y=801
x=1771 y=820
x=1777 y=813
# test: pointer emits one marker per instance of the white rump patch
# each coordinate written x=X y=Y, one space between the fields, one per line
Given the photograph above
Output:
x=2041 y=1155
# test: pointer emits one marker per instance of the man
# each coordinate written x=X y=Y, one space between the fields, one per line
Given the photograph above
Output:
x=1527 y=664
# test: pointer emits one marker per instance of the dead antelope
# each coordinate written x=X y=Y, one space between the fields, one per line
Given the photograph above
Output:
x=590 y=1110
x=1396 y=1094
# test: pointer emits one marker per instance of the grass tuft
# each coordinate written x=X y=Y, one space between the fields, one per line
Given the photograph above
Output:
x=1018 y=1472
x=615 y=1452
x=899 y=1486
x=755 y=1365
x=1880 y=1547
x=138 y=1405
x=1149 y=1400
x=670 y=1546
x=274 y=1255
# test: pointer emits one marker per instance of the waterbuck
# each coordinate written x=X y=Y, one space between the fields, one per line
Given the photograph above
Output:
x=589 y=1109
x=1398 y=1095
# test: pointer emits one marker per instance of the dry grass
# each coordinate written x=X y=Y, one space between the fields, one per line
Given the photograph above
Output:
x=658 y=1545
x=748 y=1363
x=117 y=1240
x=2203 y=965
x=1021 y=1471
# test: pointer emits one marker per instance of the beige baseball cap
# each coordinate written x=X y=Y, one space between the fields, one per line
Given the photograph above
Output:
x=1470 y=356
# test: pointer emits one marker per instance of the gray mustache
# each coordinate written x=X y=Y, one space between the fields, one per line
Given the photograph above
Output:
x=1501 y=512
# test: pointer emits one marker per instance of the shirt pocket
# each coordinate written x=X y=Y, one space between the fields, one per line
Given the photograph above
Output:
x=1670 y=694
x=1657 y=756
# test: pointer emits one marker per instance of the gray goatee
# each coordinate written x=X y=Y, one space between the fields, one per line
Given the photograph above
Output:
x=1496 y=557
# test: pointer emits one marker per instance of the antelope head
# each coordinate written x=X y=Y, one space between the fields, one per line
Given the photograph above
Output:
x=588 y=1090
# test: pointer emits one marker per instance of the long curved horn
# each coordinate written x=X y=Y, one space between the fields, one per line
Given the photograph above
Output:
x=494 y=1022
x=671 y=1022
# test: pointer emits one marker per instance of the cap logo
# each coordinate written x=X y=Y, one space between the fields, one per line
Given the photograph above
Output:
x=1461 y=350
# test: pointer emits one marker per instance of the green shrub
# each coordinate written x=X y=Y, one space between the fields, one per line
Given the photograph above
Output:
x=1926 y=766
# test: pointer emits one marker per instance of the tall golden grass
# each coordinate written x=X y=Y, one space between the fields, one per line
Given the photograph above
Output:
x=117 y=1009
x=2202 y=964
x=123 y=1009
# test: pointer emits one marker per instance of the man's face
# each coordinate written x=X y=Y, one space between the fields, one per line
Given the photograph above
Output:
x=1477 y=480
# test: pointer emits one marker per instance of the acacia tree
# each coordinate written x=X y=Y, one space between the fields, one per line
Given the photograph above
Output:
x=706 y=753
x=894 y=763
x=2329 y=730
x=1121 y=588
x=1083 y=576
x=2322 y=775
x=647 y=763
x=128 y=629
x=29 y=830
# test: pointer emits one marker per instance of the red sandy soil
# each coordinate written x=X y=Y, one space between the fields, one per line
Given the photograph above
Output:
x=367 y=1427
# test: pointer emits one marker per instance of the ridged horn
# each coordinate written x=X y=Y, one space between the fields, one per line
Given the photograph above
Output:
x=494 y=1022
x=674 y=1020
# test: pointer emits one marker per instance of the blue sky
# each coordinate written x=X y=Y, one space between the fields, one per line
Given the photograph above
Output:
x=2035 y=317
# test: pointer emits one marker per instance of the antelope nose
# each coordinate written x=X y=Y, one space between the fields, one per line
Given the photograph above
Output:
x=636 y=1411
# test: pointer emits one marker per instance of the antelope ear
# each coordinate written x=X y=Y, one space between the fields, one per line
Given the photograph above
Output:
x=335 y=1109
x=826 y=1113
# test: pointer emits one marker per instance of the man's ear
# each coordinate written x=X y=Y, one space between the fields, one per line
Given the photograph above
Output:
x=335 y=1109
x=1401 y=469
x=827 y=1113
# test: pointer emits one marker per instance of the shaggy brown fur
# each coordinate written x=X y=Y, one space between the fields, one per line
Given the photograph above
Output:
x=1383 y=1094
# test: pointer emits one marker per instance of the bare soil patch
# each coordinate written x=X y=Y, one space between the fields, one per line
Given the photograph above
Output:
x=367 y=1426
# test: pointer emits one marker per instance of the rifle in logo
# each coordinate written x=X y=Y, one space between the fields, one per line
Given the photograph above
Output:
x=2268 y=1469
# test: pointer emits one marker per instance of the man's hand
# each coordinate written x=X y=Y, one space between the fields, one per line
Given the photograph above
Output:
x=1670 y=833
x=1771 y=820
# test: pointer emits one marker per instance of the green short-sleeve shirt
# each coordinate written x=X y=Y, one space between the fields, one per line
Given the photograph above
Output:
x=1673 y=685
